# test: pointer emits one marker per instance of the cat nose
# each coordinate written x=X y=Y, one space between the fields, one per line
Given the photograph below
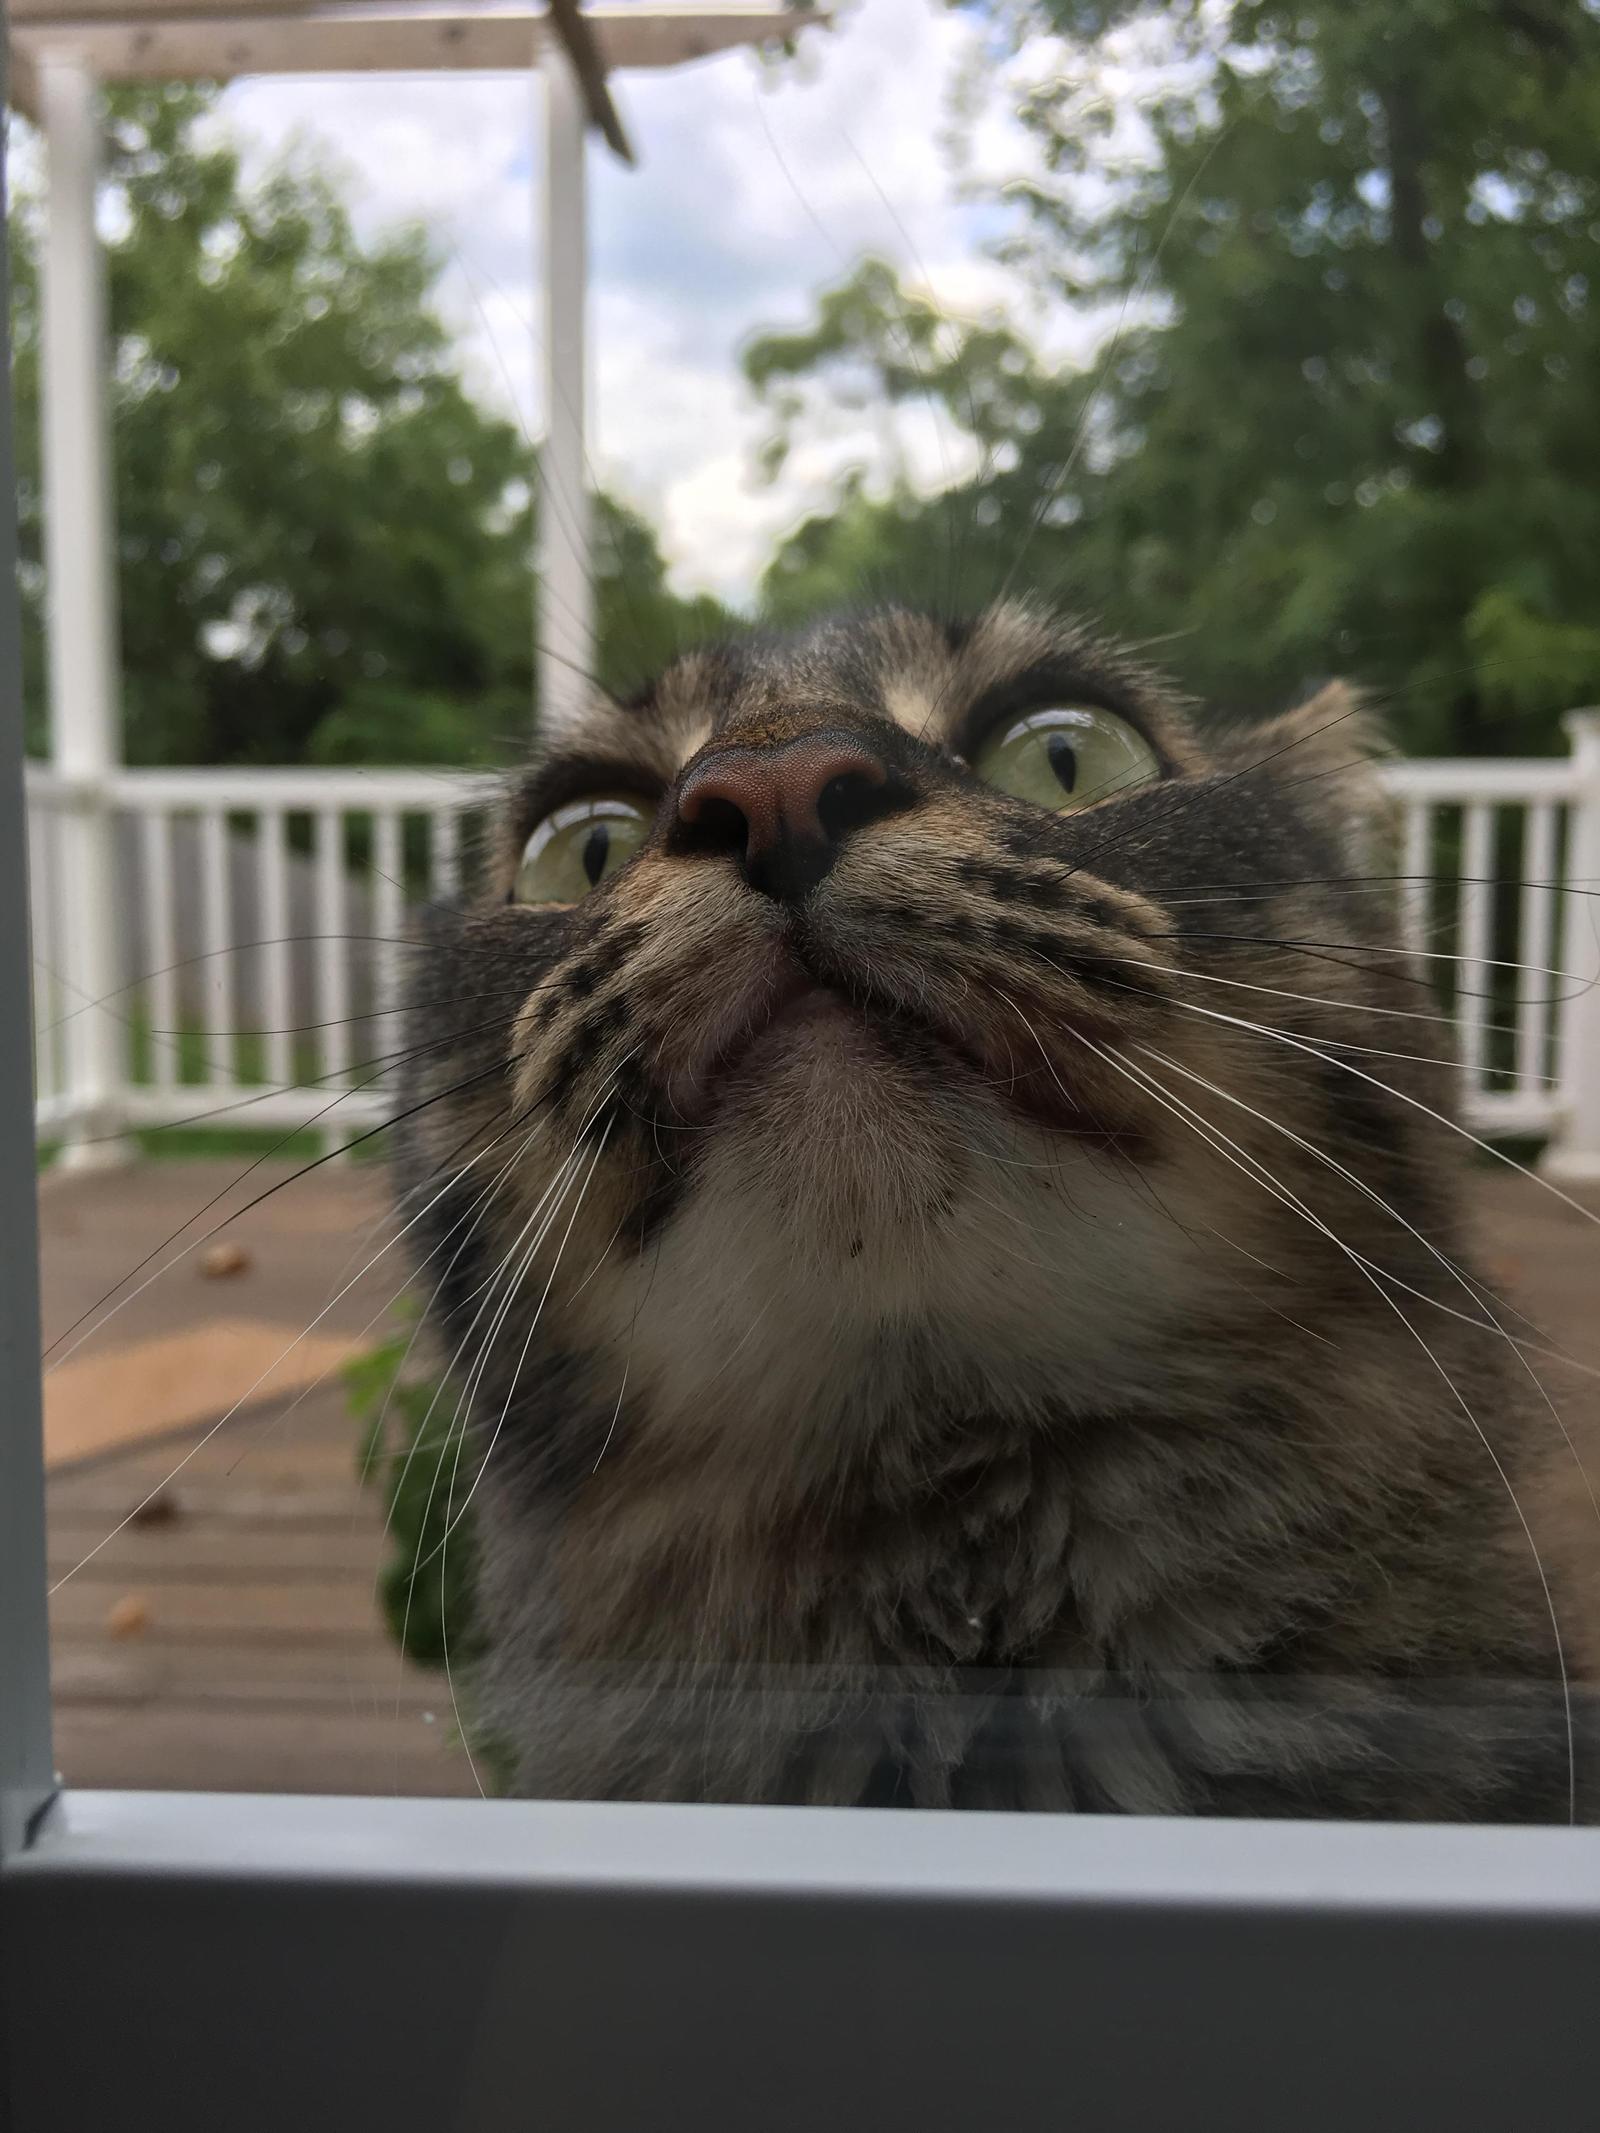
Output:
x=785 y=811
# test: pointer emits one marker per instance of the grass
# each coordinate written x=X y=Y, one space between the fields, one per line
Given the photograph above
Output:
x=244 y=1053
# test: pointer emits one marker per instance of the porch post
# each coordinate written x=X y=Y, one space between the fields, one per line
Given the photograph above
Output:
x=27 y=1767
x=1573 y=1157
x=564 y=605
x=85 y=716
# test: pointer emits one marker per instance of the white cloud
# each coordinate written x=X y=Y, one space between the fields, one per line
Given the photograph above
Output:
x=755 y=186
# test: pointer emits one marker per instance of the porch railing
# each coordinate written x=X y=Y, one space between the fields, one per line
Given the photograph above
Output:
x=257 y=933
x=1501 y=906
x=257 y=937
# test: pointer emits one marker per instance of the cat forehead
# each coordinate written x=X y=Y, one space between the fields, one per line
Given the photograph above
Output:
x=912 y=670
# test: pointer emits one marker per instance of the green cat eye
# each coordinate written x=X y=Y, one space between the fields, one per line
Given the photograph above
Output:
x=577 y=846
x=1066 y=758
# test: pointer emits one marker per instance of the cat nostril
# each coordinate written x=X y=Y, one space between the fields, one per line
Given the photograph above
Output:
x=784 y=810
x=718 y=823
x=848 y=802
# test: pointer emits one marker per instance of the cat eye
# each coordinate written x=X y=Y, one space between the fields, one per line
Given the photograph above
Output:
x=1066 y=758
x=575 y=847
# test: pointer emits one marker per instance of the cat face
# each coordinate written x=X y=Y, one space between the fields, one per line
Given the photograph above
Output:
x=849 y=1011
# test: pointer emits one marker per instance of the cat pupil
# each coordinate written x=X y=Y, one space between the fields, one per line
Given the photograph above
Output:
x=1063 y=761
x=595 y=847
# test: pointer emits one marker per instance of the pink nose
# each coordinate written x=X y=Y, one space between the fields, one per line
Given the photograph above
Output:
x=784 y=811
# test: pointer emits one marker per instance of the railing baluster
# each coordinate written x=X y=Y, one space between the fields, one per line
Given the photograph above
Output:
x=388 y=913
x=218 y=989
x=276 y=988
x=1574 y=1155
x=1536 y=949
x=1418 y=864
x=1475 y=907
x=444 y=852
x=161 y=945
x=189 y=891
x=333 y=953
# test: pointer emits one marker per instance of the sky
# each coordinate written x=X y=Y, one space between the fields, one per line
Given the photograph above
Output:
x=756 y=186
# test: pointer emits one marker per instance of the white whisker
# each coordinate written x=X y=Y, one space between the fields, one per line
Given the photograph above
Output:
x=1180 y=1108
x=222 y=1420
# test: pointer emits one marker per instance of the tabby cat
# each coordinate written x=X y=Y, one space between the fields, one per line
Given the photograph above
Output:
x=937 y=1182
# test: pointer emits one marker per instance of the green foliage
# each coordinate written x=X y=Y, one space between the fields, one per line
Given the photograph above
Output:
x=872 y=339
x=1346 y=423
x=325 y=544
x=413 y=1447
x=1520 y=655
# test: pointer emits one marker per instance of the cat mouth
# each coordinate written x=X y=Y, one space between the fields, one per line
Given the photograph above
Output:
x=799 y=1012
x=791 y=1006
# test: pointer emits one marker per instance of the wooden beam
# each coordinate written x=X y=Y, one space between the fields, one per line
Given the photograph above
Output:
x=22 y=83
x=270 y=37
x=576 y=33
x=53 y=14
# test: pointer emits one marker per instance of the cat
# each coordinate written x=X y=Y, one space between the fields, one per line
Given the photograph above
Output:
x=936 y=1182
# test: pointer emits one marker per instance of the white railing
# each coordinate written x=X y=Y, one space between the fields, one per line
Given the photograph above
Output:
x=1501 y=902
x=258 y=936
x=259 y=928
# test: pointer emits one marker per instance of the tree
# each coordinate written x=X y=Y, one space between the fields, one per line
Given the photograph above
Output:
x=324 y=542
x=1347 y=423
x=1002 y=417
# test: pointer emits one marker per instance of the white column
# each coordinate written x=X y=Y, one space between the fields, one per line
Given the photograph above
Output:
x=1574 y=1155
x=27 y=1767
x=564 y=609
x=85 y=717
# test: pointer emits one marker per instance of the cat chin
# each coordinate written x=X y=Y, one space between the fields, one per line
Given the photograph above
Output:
x=833 y=1140
x=859 y=1153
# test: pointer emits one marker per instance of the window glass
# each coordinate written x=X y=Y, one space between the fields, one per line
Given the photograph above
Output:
x=815 y=943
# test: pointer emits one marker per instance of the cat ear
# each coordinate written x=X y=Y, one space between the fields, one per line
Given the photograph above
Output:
x=1332 y=732
x=1326 y=753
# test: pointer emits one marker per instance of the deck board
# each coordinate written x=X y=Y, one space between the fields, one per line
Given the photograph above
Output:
x=259 y=1660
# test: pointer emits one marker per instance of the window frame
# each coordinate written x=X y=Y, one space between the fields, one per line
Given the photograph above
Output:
x=437 y=1964
x=178 y=1961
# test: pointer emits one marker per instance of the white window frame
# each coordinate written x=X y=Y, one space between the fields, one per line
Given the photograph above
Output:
x=193 y=1963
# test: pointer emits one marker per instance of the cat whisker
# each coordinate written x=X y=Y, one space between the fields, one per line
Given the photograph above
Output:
x=1541 y=1346
x=237 y=1214
x=1267 y=889
x=1134 y=295
x=468 y=1225
x=102 y=1001
x=1402 y=1096
x=205 y=1438
x=514 y=990
x=1140 y=1177
x=1466 y=1409
x=450 y=1681
x=564 y=1173
x=558 y=1187
x=616 y=1412
x=527 y=1345
x=1471 y=1289
x=381 y=1062
x=1309 y=999
x=1402 y=949
x=473 y=1215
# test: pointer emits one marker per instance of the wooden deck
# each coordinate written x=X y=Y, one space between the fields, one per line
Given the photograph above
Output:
x=227 y=1638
